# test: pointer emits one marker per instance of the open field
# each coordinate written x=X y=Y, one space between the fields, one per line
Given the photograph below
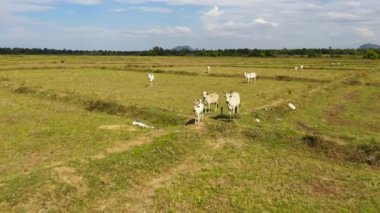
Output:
x=67 y=143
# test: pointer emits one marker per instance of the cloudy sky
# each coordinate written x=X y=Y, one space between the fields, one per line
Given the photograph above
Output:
x=210 y=24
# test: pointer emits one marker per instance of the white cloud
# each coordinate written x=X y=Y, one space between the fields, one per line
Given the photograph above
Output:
x=214 y=12
x=86 y=30
x=7 y=7
x=18 y=7
x=260 y=21
x=12 y=11
x=353 y=4
x=119 y=10
x=161 y=10
x=312 y=7
x=51 y=2
x=229 y=23
x=153 y=9
x=83 y=2
x=341 y=16
x=160 y=31
x=170 y=31
x=365 y=33
x=195 y=2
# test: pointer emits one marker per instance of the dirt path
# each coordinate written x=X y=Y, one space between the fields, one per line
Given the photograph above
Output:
x=70 y=176
x=141 y=197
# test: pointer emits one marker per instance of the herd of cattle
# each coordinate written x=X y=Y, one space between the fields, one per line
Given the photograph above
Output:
x=203 y=105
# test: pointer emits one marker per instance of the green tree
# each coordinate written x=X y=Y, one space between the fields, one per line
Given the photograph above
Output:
x=157 y=51
x=371 y=54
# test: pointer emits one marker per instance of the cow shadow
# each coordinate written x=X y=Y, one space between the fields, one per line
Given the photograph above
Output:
x=190 y=122
x=224 y=118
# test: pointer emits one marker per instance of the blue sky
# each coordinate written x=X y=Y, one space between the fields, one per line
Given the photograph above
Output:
x=210 y=24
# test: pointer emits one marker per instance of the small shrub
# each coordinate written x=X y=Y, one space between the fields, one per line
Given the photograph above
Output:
x=368 y=153
x=289 y=91
x=158 y=117
x=328 y=148
x=352 y=82
x=23 y=89
x=222 y=129
x=251 y=134
x=283 y=78
x=108 y=107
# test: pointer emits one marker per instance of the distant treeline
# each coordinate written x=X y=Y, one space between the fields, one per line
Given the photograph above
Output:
x=158 y=51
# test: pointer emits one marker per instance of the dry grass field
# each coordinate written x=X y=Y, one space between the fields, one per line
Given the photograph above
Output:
x=67 y=143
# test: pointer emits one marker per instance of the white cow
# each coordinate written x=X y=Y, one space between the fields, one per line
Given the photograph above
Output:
x=296 y=68
x=198 y=110
x=150 y=78
x=301 y=67
x=209 y=99
x=208 y=69
x=233 y=102
x=249 y=76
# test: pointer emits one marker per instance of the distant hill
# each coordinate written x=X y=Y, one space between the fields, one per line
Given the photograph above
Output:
x=369 y=46
x=179 y=48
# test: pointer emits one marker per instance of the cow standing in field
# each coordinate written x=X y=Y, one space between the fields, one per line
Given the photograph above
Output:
x=233 y=102
x=208 y=69
x=198 y=109
x=249 y=76
x=150 y=78
x=209 y=99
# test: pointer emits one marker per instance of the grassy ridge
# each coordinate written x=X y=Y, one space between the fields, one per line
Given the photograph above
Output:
x=267 y=173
